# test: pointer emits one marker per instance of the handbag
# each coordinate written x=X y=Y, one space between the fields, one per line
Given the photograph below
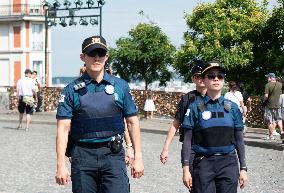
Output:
x=29 y=100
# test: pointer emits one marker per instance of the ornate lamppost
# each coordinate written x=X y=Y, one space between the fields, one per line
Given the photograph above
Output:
x=87 y=13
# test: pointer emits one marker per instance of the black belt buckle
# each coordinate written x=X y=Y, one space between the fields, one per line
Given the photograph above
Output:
x=116 y=144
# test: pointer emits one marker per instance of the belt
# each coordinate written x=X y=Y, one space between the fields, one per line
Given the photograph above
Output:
x=213 y=154
x=93 y=145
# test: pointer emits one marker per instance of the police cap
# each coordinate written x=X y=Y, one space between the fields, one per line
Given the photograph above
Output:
x=198 y=66
x=210 y=65
x=92 y=43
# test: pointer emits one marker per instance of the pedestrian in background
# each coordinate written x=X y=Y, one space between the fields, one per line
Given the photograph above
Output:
x=182 y=108
x=281 y=104
x=272 y=111
x=26 y=94
x=149 y=106
x=38 y=92
x=214 y=130
x=98 y=160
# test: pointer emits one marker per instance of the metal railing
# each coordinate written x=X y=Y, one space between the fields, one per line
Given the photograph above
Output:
x=21 y=10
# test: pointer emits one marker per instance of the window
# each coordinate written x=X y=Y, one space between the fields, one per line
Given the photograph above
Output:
x=37 y=36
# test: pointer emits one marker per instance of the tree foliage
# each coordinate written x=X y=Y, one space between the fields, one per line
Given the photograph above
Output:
x=269 y=43
x=145 y=55
x=224 y=31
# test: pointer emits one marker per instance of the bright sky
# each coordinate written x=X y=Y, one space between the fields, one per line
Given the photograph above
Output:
x=119 y=17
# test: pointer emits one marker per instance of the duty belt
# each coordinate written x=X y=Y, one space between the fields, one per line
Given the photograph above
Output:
x=213 y=154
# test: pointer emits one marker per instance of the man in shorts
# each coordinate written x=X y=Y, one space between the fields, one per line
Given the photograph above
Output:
x=25 y=90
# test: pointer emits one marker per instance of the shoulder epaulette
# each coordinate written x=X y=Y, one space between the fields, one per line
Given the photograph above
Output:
x=227 y=105
x=79 y=83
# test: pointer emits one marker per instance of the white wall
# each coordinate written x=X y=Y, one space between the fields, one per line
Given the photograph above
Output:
x=4 y=72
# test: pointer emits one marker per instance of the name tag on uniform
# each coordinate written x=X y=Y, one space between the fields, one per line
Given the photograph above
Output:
x=206 y=115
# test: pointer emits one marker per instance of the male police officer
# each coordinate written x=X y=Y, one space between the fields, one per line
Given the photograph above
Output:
x=183 y=106
x=214 y=125
x=93 y=108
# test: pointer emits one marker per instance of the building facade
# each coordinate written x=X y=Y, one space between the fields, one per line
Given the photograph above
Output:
x=22 y=41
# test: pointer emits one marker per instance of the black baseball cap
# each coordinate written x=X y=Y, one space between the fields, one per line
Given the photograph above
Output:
x=198 y=66
x=211 y=65
x=92 y=43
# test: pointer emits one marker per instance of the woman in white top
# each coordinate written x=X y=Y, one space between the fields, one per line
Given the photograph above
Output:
x=236 y=96
x=149 y=106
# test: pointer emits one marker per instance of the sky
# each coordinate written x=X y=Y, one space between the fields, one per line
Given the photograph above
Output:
x=119 y=17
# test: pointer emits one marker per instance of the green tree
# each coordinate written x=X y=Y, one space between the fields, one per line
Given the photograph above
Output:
x=222 y=30
x=145 y=55
x=269 y=44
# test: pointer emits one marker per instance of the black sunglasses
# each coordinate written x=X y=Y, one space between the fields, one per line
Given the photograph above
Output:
x=97 y=52
x=212 y=76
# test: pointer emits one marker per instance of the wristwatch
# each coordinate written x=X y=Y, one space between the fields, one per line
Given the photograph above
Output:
x=244 y=168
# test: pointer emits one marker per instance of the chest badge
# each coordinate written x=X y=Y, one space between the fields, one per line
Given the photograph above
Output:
x=109 y=89
x=206 y=115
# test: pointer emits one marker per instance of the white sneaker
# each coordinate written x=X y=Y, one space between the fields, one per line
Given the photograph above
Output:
x=269 y=138
x=274 y=133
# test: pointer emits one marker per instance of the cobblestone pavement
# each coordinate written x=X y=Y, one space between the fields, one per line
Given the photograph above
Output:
x=28 y=164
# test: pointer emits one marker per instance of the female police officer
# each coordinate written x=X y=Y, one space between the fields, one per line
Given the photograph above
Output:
x=93 y=107
x=213 y=129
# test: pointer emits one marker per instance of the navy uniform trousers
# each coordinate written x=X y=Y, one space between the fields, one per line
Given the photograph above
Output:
x=98 y=170
x=215 y=172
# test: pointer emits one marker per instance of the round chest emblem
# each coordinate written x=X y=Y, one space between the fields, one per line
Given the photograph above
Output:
x=206 y=115
x=109 y=89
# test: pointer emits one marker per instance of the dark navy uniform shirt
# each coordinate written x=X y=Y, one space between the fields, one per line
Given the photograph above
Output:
x=69 y=99
x=191 y=118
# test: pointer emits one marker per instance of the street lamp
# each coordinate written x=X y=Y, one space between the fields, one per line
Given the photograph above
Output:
x=54 y=14
x=62 y=22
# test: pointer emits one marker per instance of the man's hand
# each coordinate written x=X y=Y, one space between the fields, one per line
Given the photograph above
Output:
x=243 y=179
x=187 y=178
x=62 y=175
x=137 y=169
x=164 y=156
x=129 y=156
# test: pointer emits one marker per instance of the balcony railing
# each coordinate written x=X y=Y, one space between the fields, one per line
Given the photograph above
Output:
x=21 y=10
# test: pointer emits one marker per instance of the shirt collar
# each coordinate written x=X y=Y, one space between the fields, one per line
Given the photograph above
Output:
x=207 y=99
x=87 y=79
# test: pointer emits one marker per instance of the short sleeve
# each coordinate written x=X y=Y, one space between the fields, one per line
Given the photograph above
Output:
x=65 y=104
x=189 y=117
x=237 y=117
x=179 y=115
x=239 y=96
x=129 y=106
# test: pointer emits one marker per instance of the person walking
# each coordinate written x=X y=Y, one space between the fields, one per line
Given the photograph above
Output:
x=214 y=130
x=37 y=90
x=149 y=106
x=281 y=104
x=182 y=108
x=272 y=111
x=26 y=93
x=98 y=162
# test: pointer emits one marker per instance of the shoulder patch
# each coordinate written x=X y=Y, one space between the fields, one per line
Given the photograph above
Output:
x=61 y=98
x=187 y=112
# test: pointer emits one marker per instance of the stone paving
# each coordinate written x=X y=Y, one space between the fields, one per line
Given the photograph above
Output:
x=28 y=164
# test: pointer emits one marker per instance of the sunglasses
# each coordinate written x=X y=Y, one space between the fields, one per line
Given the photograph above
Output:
x=97 y=52
x=212 y=76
